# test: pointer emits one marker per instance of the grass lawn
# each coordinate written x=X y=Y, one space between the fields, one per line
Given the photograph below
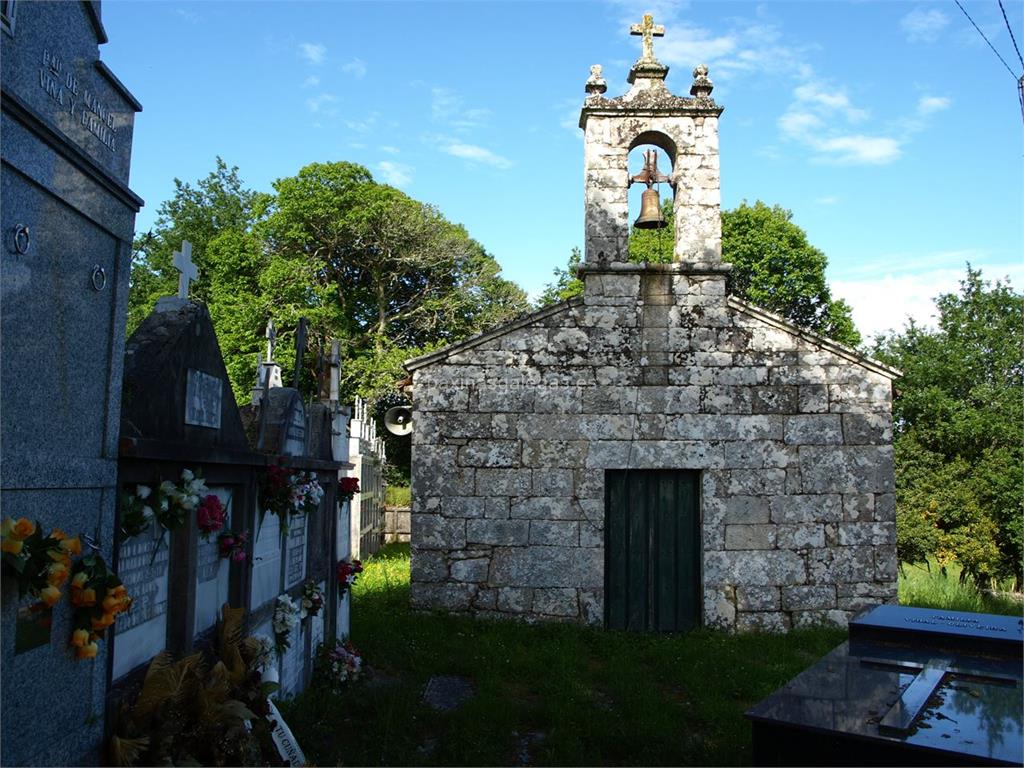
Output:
x=929 y=586
x=550 y=694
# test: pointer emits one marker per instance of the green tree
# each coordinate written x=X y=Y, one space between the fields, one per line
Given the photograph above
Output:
x=217 y=216
x=387 y=273
x=774 y=267
x=959 y=416
x=198 y=213
x=566 y=284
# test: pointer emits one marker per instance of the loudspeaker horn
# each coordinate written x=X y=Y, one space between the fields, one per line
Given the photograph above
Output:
x=398 y=420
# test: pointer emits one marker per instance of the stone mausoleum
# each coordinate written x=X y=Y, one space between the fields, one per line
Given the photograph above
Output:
x=654 y=454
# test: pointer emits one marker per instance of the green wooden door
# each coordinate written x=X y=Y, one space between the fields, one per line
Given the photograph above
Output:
x=652 y=550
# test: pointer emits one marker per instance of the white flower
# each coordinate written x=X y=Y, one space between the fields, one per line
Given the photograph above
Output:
x=187 y=475
x=147 y=513
x=143 y=491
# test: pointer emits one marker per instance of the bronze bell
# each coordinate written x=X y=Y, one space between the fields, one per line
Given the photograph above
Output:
x=650 y=211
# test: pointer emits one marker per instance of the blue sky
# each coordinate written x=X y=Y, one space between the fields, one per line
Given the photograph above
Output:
x=890 y=129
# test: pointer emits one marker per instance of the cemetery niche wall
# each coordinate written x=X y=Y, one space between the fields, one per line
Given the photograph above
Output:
x=275 y=537
x=654 y=454
x=67 y=218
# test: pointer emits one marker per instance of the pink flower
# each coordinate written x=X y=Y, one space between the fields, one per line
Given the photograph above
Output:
x=210 y=515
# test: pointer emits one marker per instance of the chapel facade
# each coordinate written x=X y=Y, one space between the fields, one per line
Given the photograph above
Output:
x=655 y=454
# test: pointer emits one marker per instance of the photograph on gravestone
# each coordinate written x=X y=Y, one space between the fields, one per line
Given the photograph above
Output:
x=67 y=217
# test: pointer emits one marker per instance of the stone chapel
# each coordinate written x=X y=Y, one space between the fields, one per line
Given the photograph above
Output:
x=655 y=454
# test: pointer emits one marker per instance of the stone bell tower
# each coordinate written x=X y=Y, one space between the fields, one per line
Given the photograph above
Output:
x=686 y=128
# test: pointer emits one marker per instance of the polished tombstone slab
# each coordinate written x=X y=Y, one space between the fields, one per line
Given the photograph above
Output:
x=912 y=686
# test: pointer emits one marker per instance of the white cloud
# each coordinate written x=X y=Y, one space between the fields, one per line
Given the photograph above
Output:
x=882 y=304
x=443 y=103
x=829 y=100
x=816 y=119
x=859 y=149
x=311 y=82
x=827 y=200
x=926 y=105
x=314 y=53
x=395 y=174
x=189 y=16
x=390 y=150
x=446 y=106
x=365 y=125
x=922 y=25
x=321 y=103
x=356 y=68
x=796 y=124
x=477 y=154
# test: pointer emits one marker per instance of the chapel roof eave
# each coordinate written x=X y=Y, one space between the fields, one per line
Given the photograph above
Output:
x=438 y=355
x=835 y=347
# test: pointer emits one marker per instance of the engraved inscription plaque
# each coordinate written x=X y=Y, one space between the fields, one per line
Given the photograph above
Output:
x=203 y=399
x=142 y=631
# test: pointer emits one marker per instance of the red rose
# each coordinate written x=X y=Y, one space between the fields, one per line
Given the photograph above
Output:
x=210 y=515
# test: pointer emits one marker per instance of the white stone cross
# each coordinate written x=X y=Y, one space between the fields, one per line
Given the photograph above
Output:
x=648 y=29
x=183 y=263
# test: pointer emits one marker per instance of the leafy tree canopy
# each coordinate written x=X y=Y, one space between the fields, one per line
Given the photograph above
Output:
x=364 y=263
x=959 y=416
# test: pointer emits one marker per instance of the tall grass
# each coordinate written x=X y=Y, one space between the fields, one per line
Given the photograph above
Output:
x=930 y=585
x=397 y=496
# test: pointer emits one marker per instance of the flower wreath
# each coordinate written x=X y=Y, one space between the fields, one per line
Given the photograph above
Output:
x=285 y=491
x=286 y=616
x=347 y=574
x=337 y=664
x=99 y=598
x=41 y=564
x=312 y=600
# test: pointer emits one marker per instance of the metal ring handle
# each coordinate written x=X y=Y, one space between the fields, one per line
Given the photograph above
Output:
x=22 y=239
x=99 y=278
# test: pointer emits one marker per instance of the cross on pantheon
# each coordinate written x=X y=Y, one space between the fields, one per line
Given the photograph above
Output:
x=648 y=30
x=183 y=263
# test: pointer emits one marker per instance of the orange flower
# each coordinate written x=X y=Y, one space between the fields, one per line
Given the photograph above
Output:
x=87 y=651
x=57 y=574
x=22 y=528
x=119 y=591
x=12 y=546
x=79 y=637
x=112 y=604
x=49 y=595
x=98 y=625
x=59 y=556
x=58 y=534
x=72 y=546
x=83 y=598
x=80 y=580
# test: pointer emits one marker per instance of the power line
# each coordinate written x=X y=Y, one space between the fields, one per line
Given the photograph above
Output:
x=1012 y=73
x=1010 y=30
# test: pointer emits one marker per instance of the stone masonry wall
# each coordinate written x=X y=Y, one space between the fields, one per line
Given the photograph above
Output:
x=653 y=368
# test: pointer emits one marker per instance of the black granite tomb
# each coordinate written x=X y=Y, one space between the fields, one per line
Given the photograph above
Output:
x=912 y=686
